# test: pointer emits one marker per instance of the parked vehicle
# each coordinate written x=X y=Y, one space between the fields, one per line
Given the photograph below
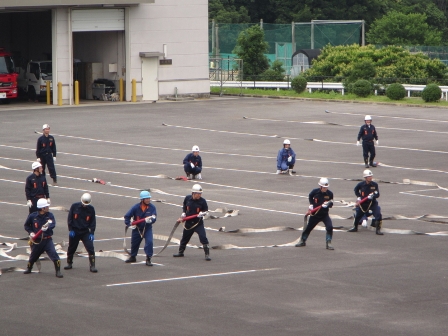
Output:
x=33 y=79
x=8 y=78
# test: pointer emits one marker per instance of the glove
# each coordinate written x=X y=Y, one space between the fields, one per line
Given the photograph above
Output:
x=91 y=237
x=325 y=204
x=44 y=228
x=370 y=197
x=132 y=227
x=32 y=234
x=192 y=164
x=311 y=207
x=29 y=203
x=54 y=158
x=183 y=215
x=202 y=214
x=149 y=219
x=359 y=198
x=48 y=200
x=377 y=142
x=357 y=143
x=71 y=234
x=290 y=159
x=38 y=159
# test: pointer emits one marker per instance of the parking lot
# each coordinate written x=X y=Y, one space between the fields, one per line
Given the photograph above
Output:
x=257 y=282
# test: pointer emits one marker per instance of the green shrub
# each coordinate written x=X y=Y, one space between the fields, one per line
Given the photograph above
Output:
x=298 y=84
x=270 y=75
x=362 y=88
x=431 y=93
x=396 y=91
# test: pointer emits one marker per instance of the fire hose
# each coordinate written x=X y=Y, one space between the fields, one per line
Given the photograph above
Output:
x=39 y=233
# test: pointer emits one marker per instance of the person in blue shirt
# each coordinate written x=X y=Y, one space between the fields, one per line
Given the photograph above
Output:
x=193 y=164
x=286 y=158
x=368 y=134
x=81 y=222
x=36 y=187
x=141 y=210
x=46 y=152
x=37 y=221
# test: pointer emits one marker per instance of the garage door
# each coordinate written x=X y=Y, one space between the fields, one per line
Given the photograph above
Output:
x=97 y=20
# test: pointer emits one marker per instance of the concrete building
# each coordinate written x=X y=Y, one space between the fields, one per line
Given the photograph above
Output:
x=162 y=44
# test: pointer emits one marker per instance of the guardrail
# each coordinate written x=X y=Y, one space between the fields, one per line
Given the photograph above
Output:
x=313 y=85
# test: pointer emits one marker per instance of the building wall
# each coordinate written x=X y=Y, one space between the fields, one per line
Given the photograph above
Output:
x=183 y=27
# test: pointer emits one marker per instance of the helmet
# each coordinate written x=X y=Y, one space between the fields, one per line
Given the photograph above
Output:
x=367 y=173
x=367 y=117
x=86 y=199
x=145 y=194
x=42 y=203
x=196 y=188
x=44 y=126
x=35 y=165
x=286 y=142
x=323 y=182
x=195 y=149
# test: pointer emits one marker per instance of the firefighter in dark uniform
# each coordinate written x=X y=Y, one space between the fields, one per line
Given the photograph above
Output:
x=194 y=204
x=42 y=220
x=322 y=197
x=36 y=187
x=141 y=210
x=369 y=189
x=193 y=164
x=368 y=134
x=81 y=226
x=46 y=152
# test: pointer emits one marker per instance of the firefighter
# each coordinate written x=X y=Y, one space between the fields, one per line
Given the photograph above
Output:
x=81 y=226
x=42 y=220
x=368 y=134
x=46 y=152
x=369 y=189
x=322 y=197
x=193 y=164
x=286 y=158
x=194 y=204
x=141 y=210
x=36 y=187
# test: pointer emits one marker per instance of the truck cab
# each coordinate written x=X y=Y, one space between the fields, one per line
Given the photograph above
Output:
x=33 y=80
x=8 y=78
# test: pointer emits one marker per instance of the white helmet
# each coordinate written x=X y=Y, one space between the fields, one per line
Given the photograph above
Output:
x=86 y=199
x=196 y=188
x=367 y=173
x=195 y=149
x=286 y=142
x=35 y=165
x=368 y=117
x=42 y=203
x=323 y=182
x=44 y=126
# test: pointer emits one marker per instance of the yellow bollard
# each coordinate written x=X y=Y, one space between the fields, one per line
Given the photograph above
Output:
x=121 y=89
x=59 y=93
x=48 y=93
x=76 y=93
x=134 y=91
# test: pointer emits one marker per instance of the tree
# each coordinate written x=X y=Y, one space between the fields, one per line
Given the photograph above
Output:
x=397 y=28
x=227 y=14
x=251 y=47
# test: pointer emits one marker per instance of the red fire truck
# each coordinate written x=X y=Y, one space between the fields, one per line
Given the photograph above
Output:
x=8 y=78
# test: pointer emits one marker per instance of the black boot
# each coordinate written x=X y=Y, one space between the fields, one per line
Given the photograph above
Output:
x=302 y=241
x=366 y=163
x=328 y=239
x=372 y=164
x=378 y=227
x=57 y=267
x=181 y=252
x=131 y=259
x=29 y=268
x=92 y=263
x=55 y=181
x=69 y=264
x=354 y=228
x=148 y=261
x=207 y=252
x=373 y=224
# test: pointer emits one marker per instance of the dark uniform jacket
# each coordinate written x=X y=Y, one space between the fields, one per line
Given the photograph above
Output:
x=317 y=198
x=364 y=189
x=81 y=218
x=193 y=207
x=46 y=145
x=196 y=160
x=36 y=186
x=35 y=221
x=368 y=134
